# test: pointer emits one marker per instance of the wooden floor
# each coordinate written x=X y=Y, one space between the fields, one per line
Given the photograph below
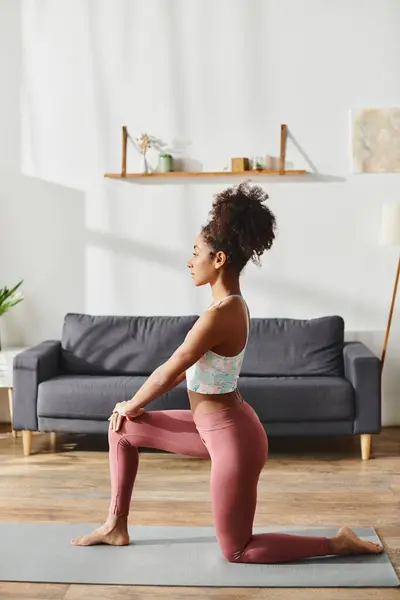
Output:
x=306 y=482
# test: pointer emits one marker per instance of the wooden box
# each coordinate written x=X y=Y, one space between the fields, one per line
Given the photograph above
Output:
x=240 y=164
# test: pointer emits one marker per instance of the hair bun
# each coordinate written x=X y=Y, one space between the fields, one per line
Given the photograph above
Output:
x=241 y=224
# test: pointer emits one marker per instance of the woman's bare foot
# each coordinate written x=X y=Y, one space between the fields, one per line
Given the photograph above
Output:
x=114 y=532
x=348 y=542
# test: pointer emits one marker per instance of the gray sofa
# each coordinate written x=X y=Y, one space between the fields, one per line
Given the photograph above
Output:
x=300 y=376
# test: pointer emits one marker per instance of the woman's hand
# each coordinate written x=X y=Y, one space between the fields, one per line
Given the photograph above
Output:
x=123 y=410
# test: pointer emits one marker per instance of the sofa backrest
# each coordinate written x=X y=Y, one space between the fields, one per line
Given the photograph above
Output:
x=120 y=345
x=297 y=347
x=138 y=345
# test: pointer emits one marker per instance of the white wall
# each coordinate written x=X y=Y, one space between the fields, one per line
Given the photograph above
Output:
x=216 y=77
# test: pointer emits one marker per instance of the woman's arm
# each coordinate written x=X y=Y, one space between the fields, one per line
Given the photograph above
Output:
x=177 y=381
x=208 y=331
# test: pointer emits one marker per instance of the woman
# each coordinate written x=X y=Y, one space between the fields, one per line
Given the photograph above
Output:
x=220 y=424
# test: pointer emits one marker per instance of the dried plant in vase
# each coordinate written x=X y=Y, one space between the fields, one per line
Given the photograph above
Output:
x=144 y=143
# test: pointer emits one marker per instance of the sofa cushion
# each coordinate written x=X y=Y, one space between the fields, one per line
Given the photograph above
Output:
x=120 y=345
x=289 y=399
x=279 y=347
x=93 y=397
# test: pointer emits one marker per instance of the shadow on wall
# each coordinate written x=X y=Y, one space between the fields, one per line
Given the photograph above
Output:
x=184 y=210
x=42 y=238
x=314 y=176
x=306 y=295
x=10 y=73
x=41 y=224
x=160 y=255
x=145 y=265
x=313 y=296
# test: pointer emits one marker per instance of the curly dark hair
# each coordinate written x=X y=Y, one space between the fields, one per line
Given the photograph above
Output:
x=240 y=224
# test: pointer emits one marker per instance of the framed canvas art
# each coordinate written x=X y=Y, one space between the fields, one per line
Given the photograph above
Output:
x=375 y=140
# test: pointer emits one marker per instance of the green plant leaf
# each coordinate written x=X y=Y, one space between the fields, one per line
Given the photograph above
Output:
x=3 y=294
x=14 y=289
x=6 y=297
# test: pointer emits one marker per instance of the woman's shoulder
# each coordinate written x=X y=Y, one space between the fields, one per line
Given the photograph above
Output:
x=230 y=308
x=229 y=303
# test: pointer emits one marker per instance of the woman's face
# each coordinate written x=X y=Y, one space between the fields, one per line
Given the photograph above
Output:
x=204 y=266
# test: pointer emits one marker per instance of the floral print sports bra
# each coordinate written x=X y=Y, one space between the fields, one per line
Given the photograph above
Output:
x=213 y=373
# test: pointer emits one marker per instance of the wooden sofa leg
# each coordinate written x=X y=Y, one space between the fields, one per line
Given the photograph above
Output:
x=53 y=441
x=27 y=442
x=10 y=401
x=365 y=445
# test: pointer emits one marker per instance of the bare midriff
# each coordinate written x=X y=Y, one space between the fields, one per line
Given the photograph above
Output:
x=209 y=403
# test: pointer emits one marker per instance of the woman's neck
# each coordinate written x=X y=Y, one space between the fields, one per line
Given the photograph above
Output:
x=220 y=290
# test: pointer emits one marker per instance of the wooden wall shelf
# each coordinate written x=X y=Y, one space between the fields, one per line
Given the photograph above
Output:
x=180 y=174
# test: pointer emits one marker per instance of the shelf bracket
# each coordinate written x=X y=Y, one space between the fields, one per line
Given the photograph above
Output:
x=124 y=149
x=283 y=150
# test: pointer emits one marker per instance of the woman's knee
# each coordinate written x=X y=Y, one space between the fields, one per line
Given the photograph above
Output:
x=115 y=437
x=231 y=555
x=123 y=439
x=230 y=551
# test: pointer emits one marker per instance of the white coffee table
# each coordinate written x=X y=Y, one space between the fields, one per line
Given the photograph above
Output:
x=6 y=376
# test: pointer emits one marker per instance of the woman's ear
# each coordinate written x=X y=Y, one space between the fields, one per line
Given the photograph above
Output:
x=220 y=259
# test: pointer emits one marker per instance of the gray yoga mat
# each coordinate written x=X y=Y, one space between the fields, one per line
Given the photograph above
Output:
x=174 y=556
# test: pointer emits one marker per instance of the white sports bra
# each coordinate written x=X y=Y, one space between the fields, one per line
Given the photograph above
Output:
x=213 y=373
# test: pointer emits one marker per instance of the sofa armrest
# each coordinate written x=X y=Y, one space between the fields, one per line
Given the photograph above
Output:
x=30 y=368
x=363 y=369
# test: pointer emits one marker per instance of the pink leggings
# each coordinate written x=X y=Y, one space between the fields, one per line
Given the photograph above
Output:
x=235 y=440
